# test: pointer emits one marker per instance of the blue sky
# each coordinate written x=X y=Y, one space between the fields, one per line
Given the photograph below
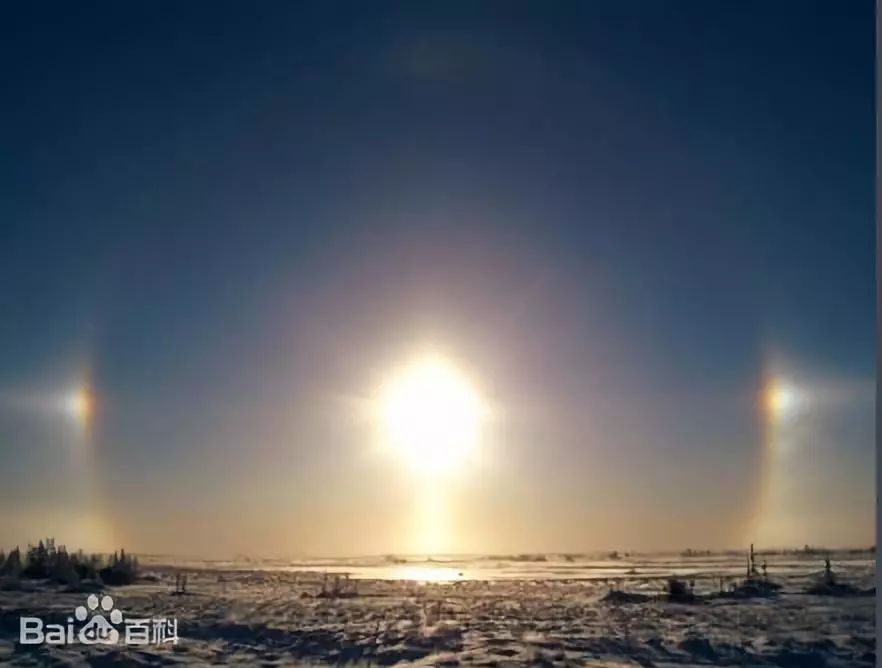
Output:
x=229 y=221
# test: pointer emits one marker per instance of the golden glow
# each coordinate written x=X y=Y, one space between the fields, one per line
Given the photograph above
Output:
x=784 y=403
x=431 y=415
x=779 y=399
x=78 y=405
x=427 y=574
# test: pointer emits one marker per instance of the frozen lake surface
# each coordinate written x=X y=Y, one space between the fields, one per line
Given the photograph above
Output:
x=488 y=611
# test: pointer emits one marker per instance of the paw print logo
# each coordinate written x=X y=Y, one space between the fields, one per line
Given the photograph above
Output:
x=98 y=630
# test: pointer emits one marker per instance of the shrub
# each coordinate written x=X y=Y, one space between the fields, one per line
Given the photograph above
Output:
x=11 y=566
x=44 y=561
x=679 y=590
x=122 y=570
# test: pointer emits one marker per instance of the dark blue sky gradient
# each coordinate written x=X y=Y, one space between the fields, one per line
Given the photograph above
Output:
x=621 y=209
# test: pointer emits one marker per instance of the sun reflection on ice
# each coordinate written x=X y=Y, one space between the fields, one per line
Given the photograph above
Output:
x=427 y=574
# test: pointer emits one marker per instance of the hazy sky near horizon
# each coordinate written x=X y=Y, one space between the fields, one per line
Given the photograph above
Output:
x=620 y=220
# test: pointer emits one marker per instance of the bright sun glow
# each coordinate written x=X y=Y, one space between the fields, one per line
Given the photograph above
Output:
x=780 y=399
x=78 y=405
x=431 y=415
x=427 y=574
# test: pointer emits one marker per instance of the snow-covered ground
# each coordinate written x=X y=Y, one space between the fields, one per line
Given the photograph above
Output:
x=490 y=611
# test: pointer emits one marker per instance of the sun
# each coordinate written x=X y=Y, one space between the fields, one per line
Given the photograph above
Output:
x=431 y=415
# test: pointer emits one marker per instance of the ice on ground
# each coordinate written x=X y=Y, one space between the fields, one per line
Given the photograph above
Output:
x=476 y=611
